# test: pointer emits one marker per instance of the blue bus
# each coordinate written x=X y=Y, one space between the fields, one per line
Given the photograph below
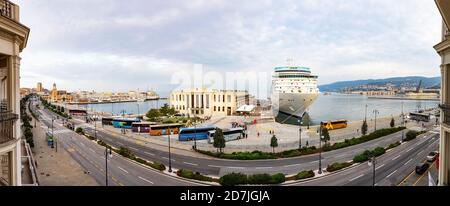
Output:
x=125 y=123
x=199 y=133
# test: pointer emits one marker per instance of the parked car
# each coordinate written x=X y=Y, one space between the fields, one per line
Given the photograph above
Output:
x=432 y=156
x=421 y=168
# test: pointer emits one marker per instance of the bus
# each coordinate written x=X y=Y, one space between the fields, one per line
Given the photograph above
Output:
x=164 y=129
x=50 y=141
x=198 y=133
x=125 y=123
x=419 y=117
x=336 y=124
x=228 y=134
x=143 y=127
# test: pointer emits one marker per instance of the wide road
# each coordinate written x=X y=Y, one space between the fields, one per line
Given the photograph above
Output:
x=91 y=157
x=390 y=168
x=218 y=167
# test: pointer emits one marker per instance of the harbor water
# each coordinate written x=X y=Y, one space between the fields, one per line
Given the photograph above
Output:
x=327 y=107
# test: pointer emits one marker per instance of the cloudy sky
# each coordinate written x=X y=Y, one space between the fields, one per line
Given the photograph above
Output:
x=116 y=45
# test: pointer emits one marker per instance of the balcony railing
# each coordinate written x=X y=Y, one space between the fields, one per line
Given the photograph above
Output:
x=446 y=110
x=6 y=8
x=7 y=120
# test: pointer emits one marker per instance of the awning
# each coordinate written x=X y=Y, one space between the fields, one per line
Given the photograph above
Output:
x=246 y=108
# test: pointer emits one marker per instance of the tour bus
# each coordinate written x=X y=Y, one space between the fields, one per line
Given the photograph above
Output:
x=125 y=123
x=164 y=129
x=197 y=133
x=336 y=124
x=228 y=134
x=419 y=117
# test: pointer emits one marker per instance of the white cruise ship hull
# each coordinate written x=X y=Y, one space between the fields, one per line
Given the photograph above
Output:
x=292 y=104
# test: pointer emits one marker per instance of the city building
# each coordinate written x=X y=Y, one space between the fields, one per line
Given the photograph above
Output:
x=13 y=39
x=208 y=102
x=443 y=49
x=39 y=87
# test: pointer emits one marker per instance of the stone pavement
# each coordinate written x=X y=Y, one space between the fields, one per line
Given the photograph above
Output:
x=57 y=168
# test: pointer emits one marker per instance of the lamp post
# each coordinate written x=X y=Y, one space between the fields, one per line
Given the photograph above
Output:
x=53 y=136
x=365 y=114
x=372 y=162
x=170 y=159
x=195 y=132
x=403 y=123
x=375 y=111
x=108 y=153
x=138 y=109
x=300 y=135
x=320 y=150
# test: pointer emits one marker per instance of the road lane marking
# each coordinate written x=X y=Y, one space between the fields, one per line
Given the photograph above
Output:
x=292 y=165
x=409 y=149
x=396 y=157
x=149 y=153
x=123 y=170
x=356 y=177
x=379 y=167
x=82 y=144
x=391 y=174
x=165 y=158
x=261 y=168
x=133 y=148
x=188 y=163
x=119 y=143
x=407 y=162
x=145 y=180
x=419 y=153
x=92 y=150
x=213 y=166
x=426 y=172
x=235 y=167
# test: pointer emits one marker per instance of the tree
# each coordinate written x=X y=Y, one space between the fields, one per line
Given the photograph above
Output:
x=392 y=122
x=153 y=114
x=364 y=128
x=62 y=109
x=325 y=134
x=219 y=140
x=79 y=130
x=273 y=143
x=164 y=110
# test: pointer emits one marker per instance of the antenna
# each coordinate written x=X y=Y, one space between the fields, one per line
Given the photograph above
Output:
x=290 y=62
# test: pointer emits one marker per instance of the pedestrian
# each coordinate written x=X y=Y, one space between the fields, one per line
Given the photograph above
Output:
x=258 y=134
x=307 y=143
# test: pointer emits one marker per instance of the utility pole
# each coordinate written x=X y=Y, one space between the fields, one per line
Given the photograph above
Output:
x=365 y=114
x=108 y=152
x=372 y=162
x=403 y=123
x=53 y=136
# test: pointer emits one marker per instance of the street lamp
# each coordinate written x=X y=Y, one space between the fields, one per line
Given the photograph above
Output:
x=108 y=153
x=403 y=123
x=372 y=162
x=138 y=109
x=170 y=158
x=365 y=114
x=300 y=135
x=195 y=132
x=53 y=136
x=320 y=149
x=375 y=111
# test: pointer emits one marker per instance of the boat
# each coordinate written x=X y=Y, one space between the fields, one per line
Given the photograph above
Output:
x=294 y=89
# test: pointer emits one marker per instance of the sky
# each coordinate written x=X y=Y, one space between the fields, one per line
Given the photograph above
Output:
x=116 y=45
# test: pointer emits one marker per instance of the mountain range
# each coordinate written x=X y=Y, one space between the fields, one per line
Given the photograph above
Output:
x=411 y=81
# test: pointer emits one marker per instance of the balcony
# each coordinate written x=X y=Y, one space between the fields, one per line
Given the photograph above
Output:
x=9 y=10
x=7 y=121
x=446 y=112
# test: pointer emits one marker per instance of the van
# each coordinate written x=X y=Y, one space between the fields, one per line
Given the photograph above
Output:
x=421 y=168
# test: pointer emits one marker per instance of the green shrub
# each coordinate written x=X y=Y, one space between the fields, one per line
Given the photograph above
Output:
x=360 y=158
x=278 y=178
x=79 y=130
x=338 y=166
x=157 y=165
x=305 y=174
x=259 y=179
x=233 y=179
x=142 y=161
x=193 y=175
x=393 y=145
x=378 y=151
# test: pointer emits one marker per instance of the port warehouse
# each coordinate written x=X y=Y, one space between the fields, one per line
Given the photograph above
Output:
x=184 y=134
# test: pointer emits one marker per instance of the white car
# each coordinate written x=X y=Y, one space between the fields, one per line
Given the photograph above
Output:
x=432 y=156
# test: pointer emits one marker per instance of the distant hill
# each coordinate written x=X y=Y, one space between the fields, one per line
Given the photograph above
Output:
x=427 y=82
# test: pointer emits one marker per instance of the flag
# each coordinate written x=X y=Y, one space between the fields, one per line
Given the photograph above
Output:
x=431 y=181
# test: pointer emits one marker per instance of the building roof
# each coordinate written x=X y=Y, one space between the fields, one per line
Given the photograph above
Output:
x=444 y=8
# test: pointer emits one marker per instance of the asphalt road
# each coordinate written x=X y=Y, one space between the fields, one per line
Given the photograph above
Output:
x=390 y=168
x=219 y=167
x=91 y=157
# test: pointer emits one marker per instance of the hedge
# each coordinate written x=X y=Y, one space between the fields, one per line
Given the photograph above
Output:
x=367 y=154
x=338 y=166
x=193 y=175
x=393 y=145
x=410 y=135
x=233 y=179
x=258 y=155
x=304 y=174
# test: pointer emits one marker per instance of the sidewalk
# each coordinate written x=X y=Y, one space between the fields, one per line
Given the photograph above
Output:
x=57 y=168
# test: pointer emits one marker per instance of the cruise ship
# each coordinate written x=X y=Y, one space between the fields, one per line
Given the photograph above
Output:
x=294 y=89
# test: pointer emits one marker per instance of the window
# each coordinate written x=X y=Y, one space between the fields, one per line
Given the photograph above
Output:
x=214 y=98
x=214 y=108
x=229 y=98
x=223 y=109
x=223 y=98
x=218 y=109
